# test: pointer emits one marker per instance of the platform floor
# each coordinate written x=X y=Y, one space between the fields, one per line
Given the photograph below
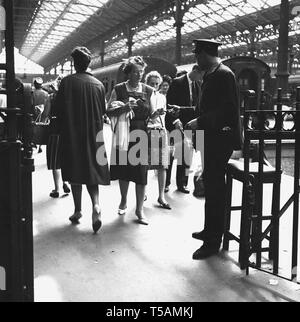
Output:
x=127 y=262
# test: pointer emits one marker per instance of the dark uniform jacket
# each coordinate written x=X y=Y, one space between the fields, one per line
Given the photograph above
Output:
x=179 y=94
x=219 y=107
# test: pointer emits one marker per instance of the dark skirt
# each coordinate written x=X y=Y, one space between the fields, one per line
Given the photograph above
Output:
x=54 y=153
x=130 y=173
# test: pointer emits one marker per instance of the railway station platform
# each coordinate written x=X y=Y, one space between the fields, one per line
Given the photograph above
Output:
x=128 y=262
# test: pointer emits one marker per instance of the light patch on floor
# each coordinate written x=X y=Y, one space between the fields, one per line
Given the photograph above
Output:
x=47 y=289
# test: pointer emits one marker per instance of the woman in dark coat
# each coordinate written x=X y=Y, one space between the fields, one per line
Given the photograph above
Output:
x=130 y=102
x=81 y=106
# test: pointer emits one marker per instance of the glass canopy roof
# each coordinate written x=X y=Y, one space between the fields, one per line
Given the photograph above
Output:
x=55 y=20
x=204 y=16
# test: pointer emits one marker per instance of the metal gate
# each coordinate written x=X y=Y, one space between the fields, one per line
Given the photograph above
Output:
x=262 y=125
x=16 y=167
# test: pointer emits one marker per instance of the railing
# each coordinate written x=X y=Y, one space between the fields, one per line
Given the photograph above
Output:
x=258 y=126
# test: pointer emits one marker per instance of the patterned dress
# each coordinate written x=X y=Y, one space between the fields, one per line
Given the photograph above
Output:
x=129 y=172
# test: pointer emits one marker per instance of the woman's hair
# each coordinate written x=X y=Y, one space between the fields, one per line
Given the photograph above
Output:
x=153 y=74
x=82 y=58
x=167 y=79
x=135 y=60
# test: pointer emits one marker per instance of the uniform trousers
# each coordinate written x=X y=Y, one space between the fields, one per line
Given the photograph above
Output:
x=218 y=150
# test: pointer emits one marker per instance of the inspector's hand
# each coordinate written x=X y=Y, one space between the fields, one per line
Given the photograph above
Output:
x=178 y=125
x=161 y=111
x=192 y=125
x=175 y=110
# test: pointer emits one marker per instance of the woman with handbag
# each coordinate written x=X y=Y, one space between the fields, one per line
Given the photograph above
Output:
x=129 y=105
x=54 y=144
x=159 y=155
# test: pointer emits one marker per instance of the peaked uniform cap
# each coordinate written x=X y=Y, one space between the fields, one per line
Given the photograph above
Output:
x=206 y=45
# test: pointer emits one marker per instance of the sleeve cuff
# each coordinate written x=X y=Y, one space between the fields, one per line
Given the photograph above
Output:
x=176 y=121
x=200 y=123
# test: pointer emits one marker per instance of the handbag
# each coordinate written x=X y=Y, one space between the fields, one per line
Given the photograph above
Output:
x=41 y=131
x=184 y=150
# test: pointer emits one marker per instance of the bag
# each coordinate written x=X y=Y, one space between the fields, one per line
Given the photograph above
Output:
x=41 y=131
x=184 y=151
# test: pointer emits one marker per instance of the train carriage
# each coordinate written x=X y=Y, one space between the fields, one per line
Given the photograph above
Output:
x=251 y=74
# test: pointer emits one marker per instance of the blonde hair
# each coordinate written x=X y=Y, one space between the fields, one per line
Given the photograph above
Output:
x=155 y=74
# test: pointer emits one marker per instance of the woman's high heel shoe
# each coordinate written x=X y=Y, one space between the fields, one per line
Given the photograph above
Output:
x=97 y=224
x=75 y=218
x=164 y=205
x=142 y=219
x=122 y=212
x=66 y=188
x=54 y=194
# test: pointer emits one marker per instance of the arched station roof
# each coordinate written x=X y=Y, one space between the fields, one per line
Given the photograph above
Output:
x=53 y=27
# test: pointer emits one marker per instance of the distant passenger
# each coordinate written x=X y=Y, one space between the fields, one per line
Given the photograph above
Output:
x=40 y=99
x=157 y=125
x=3 y=100
x=129 y=105
x=19 y=98
x=184 y=95
x=220 y=120
x=54 y=144
x=80 y=106
x=165 y=85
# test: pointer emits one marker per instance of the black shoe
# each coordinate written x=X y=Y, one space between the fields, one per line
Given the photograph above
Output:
x=75 y=218
x=183 y=190
x=164 y=205
x=66 y=188
x=54 y=194
x=97 y=225
x=200 y=235
x=206 y=251
x=167 y=189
